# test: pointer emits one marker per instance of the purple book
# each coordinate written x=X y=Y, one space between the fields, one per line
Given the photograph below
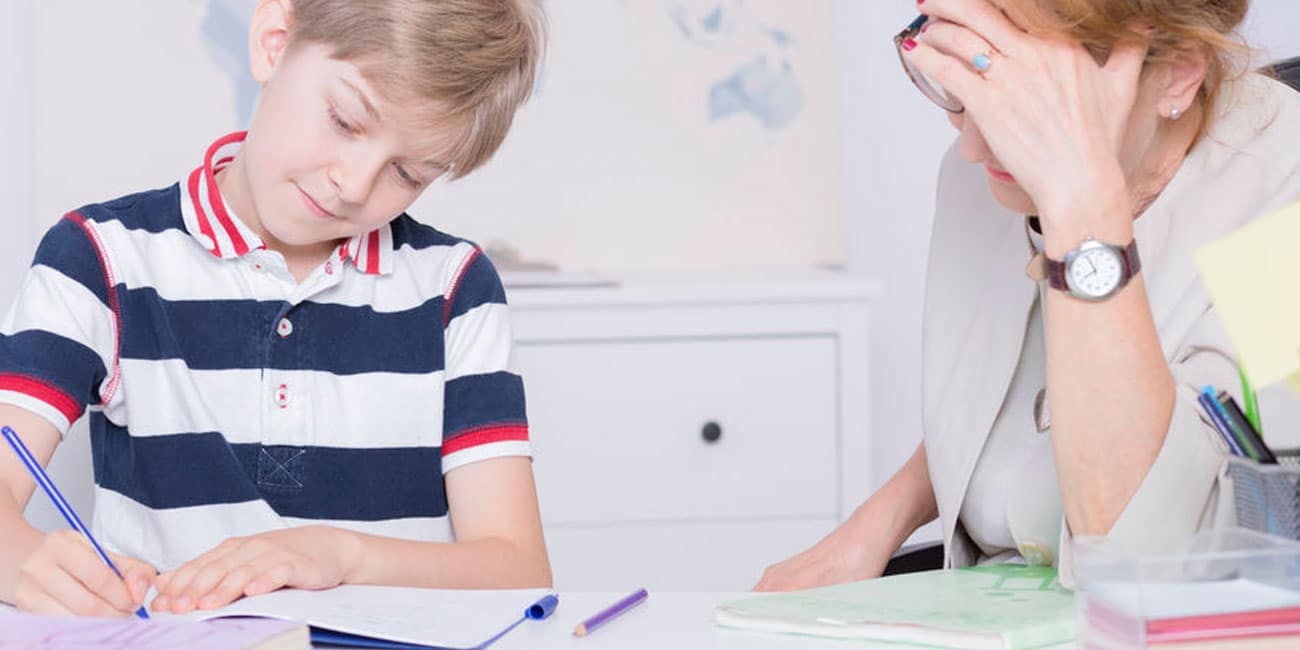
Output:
x=30 y=631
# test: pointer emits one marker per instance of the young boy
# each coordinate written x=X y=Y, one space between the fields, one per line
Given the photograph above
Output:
x=290 y=381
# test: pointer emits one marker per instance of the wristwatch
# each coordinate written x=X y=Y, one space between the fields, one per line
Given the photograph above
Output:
x=1095 y=270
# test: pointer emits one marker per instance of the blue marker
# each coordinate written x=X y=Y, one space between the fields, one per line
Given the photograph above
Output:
x=43 y=480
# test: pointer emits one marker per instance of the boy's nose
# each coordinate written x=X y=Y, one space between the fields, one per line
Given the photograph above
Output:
x=352 y=183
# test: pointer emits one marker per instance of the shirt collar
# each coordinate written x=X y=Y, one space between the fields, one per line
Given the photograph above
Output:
x=221 y=232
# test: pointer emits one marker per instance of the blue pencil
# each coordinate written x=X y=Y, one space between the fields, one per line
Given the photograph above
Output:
x=43 y=480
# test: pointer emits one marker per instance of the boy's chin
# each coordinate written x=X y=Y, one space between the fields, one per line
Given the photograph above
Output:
x=304 y=237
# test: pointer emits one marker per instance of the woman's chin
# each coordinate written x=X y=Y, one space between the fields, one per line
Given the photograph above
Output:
x=1012 y=197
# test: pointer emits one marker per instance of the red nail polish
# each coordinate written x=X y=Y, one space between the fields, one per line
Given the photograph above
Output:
x=920 y=2
x=909 y=45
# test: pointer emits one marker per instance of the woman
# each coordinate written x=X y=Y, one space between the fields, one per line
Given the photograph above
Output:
x=1067 y=406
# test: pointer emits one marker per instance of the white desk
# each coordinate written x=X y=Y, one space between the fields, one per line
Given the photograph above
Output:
x=667 y=620
x=676 y=620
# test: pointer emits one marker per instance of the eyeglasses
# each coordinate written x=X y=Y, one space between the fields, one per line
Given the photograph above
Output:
x=928 y=87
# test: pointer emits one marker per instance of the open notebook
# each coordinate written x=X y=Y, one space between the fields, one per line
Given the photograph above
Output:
x=996 y=606
x=385 y=617
x=353 y=616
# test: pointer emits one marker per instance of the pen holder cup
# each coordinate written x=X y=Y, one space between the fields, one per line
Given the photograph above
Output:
x=1267 y=497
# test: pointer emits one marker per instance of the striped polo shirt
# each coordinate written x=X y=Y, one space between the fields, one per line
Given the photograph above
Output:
x=226 y=398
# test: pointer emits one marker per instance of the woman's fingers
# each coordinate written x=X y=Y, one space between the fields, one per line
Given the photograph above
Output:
x=981 y=17
x=955 y=76
x=956 y=41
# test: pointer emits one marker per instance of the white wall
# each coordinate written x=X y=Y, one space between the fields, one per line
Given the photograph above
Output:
x=71 y=464
x=893 y=140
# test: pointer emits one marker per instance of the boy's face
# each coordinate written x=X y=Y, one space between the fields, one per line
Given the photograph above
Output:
x=326 y=157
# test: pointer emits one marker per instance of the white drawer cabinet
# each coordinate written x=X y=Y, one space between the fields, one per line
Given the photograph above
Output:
x=688 y=433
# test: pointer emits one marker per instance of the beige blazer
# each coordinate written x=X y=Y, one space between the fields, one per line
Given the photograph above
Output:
x=977 y=297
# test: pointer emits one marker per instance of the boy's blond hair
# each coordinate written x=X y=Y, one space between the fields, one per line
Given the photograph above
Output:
x=472 y=62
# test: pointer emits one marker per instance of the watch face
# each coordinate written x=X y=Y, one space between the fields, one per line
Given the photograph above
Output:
x=1096 y=272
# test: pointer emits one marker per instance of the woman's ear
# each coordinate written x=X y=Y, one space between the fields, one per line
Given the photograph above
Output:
x=268 y=37
x=1183 y=75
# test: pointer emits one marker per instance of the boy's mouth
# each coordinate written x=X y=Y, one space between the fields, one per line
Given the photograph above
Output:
x=314 y=207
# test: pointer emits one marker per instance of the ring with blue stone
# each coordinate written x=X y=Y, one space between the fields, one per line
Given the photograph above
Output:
x=982 y=63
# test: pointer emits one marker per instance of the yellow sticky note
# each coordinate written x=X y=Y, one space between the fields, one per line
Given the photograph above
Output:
x=1253 y=276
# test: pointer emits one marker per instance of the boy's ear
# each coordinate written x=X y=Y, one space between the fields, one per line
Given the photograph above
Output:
x=1183 y=77
x=268 y=37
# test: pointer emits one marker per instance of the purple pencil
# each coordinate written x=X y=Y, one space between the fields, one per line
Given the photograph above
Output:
x=609 y=613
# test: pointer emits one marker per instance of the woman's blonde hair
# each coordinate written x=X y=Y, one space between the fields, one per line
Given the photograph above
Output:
x=472 y=62
x=1175 y=26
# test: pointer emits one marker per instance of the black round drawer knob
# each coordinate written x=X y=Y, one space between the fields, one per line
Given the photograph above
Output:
x=711 y=432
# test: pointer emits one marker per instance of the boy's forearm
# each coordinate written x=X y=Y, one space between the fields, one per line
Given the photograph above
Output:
x=492 y=563
x=19 y=540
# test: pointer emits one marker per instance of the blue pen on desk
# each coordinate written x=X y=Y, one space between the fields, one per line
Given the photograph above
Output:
x=43 y=480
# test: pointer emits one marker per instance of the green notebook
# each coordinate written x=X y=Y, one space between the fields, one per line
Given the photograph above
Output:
x=995 y=606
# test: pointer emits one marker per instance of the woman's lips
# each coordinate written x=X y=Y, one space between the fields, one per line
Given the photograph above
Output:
x=999 y=174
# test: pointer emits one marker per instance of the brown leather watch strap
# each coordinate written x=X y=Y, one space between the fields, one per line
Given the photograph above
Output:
x=1128 y=255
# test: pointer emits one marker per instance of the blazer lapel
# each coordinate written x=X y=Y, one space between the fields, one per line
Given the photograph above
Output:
x=977 y=303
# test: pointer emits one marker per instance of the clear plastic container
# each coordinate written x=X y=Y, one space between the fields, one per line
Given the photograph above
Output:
x=1227 y=588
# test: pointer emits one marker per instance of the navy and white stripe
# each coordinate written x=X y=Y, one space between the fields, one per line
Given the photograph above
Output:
x=226 y=398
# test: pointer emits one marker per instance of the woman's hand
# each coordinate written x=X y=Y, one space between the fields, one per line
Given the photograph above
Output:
x=65 y=576
x=310 y=557
x=833 y=560
x=1051 y=115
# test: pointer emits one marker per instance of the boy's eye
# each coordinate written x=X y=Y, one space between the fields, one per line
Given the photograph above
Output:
x=406 y=177
x=340 y=123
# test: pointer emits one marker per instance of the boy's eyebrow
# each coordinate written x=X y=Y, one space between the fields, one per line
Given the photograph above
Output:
x=370 y=108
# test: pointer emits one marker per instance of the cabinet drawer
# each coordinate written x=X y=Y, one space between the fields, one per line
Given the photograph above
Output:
x=618 y=428
x=681 y=557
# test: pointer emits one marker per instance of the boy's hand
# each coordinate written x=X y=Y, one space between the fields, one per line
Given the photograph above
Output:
x=65 y=576
x=310 y=557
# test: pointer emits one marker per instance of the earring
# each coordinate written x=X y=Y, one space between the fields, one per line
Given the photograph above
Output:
x=1174 y=113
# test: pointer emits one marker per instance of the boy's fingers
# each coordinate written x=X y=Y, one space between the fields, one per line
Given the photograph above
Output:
x=207 y=579
x=273 y=578
x=84 y=567
x=73 y=595
x=37 y=601
x=230 y=588
x=175 y=583
x=139 y=576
